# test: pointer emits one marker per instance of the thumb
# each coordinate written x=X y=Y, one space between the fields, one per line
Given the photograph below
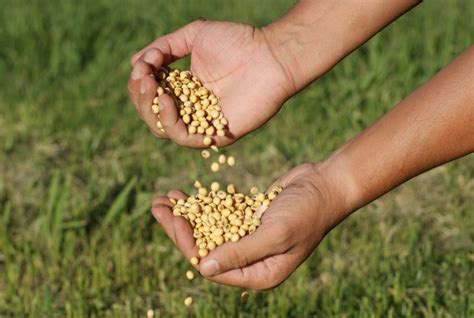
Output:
x=266 y=241
x=173 y=45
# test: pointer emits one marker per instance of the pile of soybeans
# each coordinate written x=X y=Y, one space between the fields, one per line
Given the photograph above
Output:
x=216 y=214
x=197 y=106
x=221 y=215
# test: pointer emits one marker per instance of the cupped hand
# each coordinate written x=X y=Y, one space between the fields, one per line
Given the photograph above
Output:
x=234 y=60
x=292 y=227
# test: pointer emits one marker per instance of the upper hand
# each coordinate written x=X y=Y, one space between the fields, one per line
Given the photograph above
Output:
x=292 y=226
x=234 y=60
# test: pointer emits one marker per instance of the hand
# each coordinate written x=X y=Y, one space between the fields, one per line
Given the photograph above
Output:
x=292 y=227
x=234 y=60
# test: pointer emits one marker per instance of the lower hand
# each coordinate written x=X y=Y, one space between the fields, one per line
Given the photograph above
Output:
x=292 y=227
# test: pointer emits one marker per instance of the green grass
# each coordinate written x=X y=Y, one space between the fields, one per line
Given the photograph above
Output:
x=78 y=169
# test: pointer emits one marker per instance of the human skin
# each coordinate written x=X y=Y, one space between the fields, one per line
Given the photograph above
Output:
x=255 y=70
x=432 y=126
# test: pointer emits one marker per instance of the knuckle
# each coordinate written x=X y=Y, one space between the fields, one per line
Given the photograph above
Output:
x=156 y=201
x=153 y=129
x=232 y=258
x=179 y=138
x=196 y=24
x=153 y=50
x=237 y=257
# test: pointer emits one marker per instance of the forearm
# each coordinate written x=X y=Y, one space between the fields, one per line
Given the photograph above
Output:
x=316 y=34
x=430 y=127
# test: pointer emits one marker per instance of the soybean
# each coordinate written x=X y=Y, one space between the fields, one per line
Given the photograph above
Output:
x=198 y=107
x=188 y=301
x=217 y=216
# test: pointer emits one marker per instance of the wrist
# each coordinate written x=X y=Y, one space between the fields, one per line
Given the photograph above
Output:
x=303 y=55
x=315 y=35
x=345 y=192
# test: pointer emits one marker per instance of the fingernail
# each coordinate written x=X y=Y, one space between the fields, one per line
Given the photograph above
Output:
x=136 y=74
x=209 y=268
x=142 y=87
x=155 y=214
x=150 y=57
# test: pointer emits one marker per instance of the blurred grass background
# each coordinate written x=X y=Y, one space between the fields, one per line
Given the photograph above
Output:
x=78 y=170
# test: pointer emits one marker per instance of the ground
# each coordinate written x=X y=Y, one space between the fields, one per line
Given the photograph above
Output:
x=78 y=170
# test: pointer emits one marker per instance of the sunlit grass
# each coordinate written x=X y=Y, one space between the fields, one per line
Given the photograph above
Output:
x=78 y=170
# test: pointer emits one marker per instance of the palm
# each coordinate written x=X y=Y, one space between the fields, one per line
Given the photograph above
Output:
x=234 y=60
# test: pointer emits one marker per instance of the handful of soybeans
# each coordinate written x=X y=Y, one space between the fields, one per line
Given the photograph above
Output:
x=220 y=215
x=197 y=106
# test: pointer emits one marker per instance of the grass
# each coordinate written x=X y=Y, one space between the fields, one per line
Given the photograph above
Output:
x=78 y=169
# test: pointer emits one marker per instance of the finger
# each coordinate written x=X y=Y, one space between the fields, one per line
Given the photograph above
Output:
x=164 y=216
x=173 y=45
x=268 y=240
x=174 y=127
x=139 y=71
x=263 y=275
x=172 y=194
x=145 y=100
x=176 y=194
x=159 y=135
x=153 y=57
x=177 y=229
x=161 y=200
x=184 y=237
x=182 y=229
